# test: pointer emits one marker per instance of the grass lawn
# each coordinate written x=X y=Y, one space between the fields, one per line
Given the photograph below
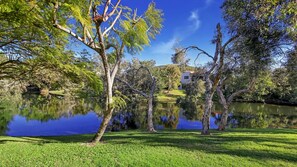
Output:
x=170 y=96
x=240 y=147
x=57 y=92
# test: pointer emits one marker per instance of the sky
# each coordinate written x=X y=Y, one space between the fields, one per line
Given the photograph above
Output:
x=188 y=22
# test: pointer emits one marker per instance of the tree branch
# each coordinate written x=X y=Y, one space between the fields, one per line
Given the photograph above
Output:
x=107 y=16
x=237 y=93
x=55 y=24
x=133 y=89
x=197 y=48
x=222 y=96
x=113 y=23
x=229 y=41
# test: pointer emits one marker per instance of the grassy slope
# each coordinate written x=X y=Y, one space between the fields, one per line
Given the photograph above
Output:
x=240 y=147
x=171 y=96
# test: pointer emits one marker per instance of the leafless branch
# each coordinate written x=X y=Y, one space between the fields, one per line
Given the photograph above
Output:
x=197 y=48
x=106 y=15
x=113 y=23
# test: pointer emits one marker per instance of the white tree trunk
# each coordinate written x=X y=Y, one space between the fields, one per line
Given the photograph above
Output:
x=227 y=102
x=150 y=123
x=108 y=108
x=224 y=119
x=207 y=107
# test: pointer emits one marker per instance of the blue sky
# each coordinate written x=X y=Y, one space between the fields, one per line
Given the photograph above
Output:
x=190 y=22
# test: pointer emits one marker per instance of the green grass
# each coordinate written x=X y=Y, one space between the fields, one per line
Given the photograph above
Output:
x=170 y=96
x=240 y=147
x=57 y=92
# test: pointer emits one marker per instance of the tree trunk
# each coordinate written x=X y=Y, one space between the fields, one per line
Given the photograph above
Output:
x=206 y=115
x=98 y=136
x=223 y=101
x=207 y=107
x=224 y=118
x=108 y=108
x=227 y=102
x=150 y=124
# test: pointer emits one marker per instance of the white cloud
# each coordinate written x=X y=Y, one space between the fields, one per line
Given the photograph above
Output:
x=165 y=47
x=194 y=18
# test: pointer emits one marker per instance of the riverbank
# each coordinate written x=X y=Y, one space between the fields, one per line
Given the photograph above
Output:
x=238 y=147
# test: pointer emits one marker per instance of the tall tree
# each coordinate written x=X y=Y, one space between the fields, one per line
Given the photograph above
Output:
x=108 y=29
x=139 y=78
x=172 y=74
x=33 y=51
x=235 y=81
x=180 y=59
x=291 y=66
x=262 y=27
x=24 y=35
x=213 y=74
x=266 y=27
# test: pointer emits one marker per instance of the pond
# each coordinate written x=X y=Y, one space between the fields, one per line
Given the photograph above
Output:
x=50 y=117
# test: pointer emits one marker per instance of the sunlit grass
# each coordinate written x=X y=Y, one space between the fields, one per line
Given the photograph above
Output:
x=241 y=147
x=57 y=92
x=170 y=96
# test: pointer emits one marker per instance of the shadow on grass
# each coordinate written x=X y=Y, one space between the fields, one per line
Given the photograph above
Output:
x=215 y=144
x=218 y=143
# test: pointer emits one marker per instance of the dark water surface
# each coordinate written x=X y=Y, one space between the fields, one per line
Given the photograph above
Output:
x=58 y=117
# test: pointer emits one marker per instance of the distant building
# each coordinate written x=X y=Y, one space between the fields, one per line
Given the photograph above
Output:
x=186 y=77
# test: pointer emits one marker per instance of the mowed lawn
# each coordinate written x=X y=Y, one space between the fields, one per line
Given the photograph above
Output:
x=240 y=147
x=170 y=96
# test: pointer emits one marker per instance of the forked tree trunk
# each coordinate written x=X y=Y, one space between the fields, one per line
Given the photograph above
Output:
x=224 y=119
x=150 y=124
x=226 y=102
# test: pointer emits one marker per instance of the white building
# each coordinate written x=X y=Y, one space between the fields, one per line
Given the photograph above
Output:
x=186 y=77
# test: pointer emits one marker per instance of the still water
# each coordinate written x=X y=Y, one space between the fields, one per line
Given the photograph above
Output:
x=43 y=117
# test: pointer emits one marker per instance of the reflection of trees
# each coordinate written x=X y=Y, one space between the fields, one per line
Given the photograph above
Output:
x=192 y=103
x=192 y=111
x=137 y=110
x=168 y=114
x=245 y=115
x=257 y=115
x=36 y=107
x=7 y=110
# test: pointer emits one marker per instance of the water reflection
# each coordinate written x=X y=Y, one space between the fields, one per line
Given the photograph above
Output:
x=257 y=115
x=39 y=116
x=21 y=126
